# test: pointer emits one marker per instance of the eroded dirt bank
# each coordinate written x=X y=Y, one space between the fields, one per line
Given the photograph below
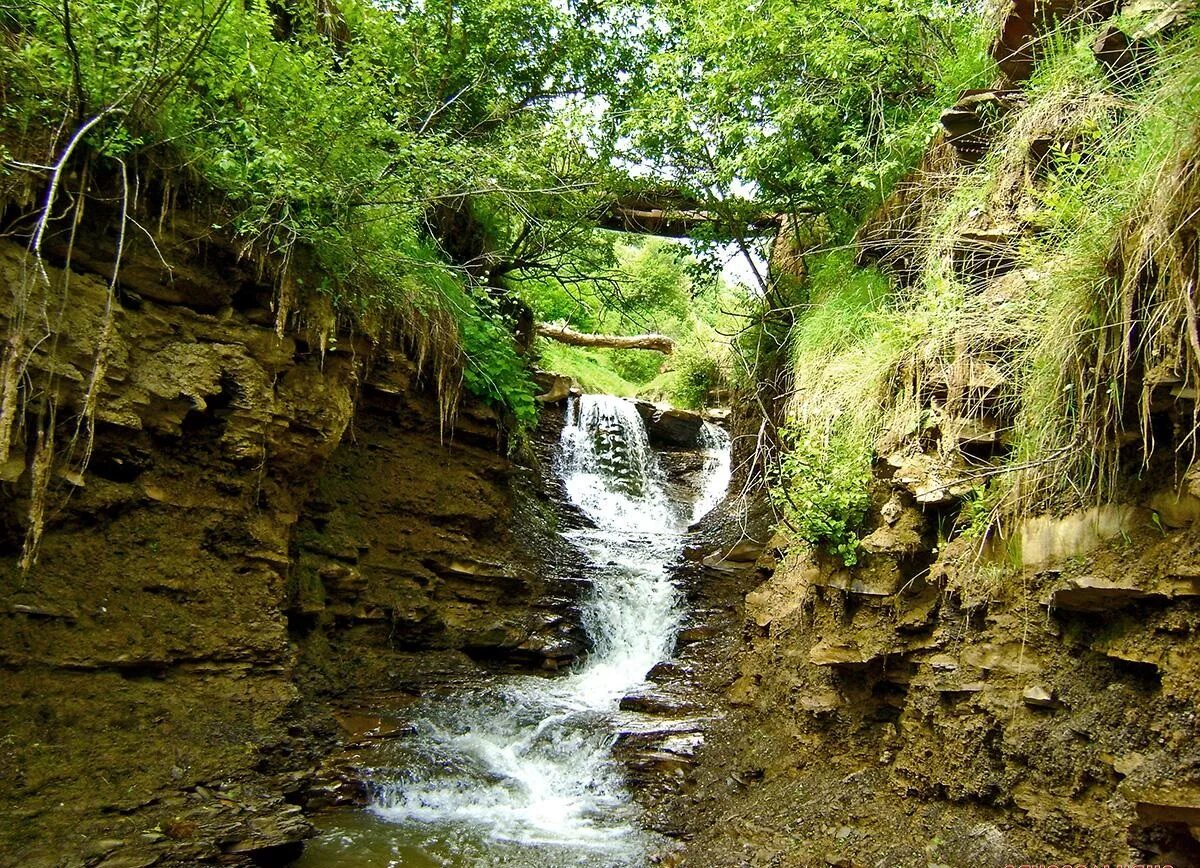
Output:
x=968 y=715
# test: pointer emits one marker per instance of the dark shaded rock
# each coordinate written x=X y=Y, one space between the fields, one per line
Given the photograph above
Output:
x=980 y=256
x=1093 y=594
x=1169 y=803
x=668 y=671
x=1020 y=41
x=658 y=703
x=1122 y=58
x=971 y=124
x=670 y=426
x=698 y=633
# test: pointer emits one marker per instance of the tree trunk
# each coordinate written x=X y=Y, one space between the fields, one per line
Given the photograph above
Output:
x=567 y=335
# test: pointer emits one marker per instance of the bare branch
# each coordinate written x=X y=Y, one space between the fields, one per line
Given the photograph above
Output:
x=567 y=335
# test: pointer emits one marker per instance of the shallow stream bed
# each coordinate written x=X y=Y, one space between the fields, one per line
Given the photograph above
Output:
x=520 y=772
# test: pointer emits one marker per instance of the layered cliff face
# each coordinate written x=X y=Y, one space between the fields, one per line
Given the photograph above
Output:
x=1039 y=704
x=260 y=524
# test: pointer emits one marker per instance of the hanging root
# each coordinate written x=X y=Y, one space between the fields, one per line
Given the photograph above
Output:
x=10 y=386
x=87 y=420
x=16 y=355
x=43 y=460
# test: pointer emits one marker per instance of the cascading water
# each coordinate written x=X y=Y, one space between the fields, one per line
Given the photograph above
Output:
x=716 y=472
x=522 y=773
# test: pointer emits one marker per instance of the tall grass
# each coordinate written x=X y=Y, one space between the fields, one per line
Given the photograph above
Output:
x=843 y=351
x=1110 y=277
x=1100 y=186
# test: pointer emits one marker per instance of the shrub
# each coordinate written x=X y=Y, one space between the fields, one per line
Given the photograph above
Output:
x=823 y=489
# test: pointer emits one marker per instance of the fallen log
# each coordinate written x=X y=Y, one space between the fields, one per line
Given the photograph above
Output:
x=649 y=218
x=567 y=335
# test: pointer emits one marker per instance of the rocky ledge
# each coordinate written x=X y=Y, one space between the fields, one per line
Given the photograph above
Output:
x=266 y=523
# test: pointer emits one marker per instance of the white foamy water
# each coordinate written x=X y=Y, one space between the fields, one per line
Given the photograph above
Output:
x=522 y=773
x=717 y=472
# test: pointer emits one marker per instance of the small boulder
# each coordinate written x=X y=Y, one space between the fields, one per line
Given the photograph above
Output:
x=698 y=633
x=1039 y=697
x=671 y=426
x=657 y=703
x=555 y=387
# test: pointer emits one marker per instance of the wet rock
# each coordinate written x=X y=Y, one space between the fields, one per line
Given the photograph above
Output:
x=659 y=762
x=360 y=726
x=698 y=633
x=670 y=426
x=39 y=610
x=102 y=847
x=131 y=860
x=658 y=703
x=658 y=752
x=668 y=671
x=683 y=470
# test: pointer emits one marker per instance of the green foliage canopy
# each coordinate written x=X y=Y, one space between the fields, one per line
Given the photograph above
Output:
x=815 y=106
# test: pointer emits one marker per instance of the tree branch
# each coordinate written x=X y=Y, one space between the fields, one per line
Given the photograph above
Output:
x=567 y=335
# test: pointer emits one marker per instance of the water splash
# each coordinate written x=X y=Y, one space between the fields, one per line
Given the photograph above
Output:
x=609 y=469
x=529 y=763
x=716 y=472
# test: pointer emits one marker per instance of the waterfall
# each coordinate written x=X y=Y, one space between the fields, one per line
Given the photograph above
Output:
x=521 y=773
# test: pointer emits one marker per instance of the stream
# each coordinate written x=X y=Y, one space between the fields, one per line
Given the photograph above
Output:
x=519 y=771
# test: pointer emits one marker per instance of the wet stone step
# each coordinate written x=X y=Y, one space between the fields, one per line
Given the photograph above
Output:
x=670 y=672
x=659 y=703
